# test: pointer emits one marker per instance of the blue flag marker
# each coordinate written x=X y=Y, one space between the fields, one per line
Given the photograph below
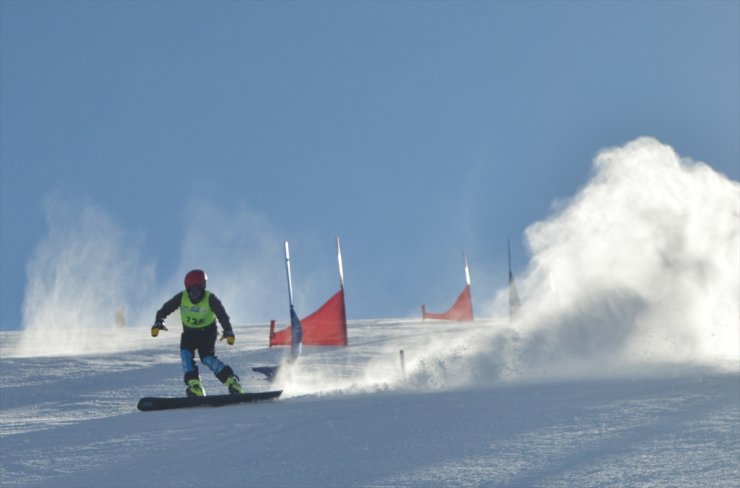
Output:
x=296 y=331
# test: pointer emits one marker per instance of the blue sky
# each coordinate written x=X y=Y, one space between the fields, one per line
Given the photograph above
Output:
x=203 y=133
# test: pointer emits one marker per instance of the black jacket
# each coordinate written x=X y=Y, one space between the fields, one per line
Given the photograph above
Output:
x=174 y=303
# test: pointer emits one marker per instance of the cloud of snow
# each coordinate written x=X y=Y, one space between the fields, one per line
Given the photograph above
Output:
x=86 y=281
x=637 y=274
x=641 y=267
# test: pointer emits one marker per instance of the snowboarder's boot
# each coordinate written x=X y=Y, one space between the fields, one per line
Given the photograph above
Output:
x=232 y=382
x=195 y=388
x=228 y=378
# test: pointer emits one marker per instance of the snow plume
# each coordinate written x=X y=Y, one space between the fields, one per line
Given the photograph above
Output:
x=86 y=280
x=643 y=264
x=641 y=269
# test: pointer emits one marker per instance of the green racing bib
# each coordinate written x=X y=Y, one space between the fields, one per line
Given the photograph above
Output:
x=196 y=316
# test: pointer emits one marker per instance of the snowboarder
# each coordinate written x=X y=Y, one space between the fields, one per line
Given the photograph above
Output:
x=199 y=310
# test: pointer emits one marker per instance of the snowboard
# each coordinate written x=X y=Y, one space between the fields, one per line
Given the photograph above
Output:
x=164 y=403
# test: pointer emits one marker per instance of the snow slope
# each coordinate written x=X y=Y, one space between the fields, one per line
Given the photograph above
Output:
x=351 y=417
x=622 y=369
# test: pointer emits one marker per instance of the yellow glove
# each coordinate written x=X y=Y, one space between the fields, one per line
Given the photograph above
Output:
x=157 y=327
x=229 y=336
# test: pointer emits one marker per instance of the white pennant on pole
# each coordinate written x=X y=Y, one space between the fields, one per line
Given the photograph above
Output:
x=341 y=268
x=287 y=268
x=467 y=271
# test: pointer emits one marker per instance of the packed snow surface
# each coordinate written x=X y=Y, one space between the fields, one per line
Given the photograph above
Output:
x=450 y=414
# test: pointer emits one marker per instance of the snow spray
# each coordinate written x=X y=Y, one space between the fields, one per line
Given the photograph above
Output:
x=641 y=266
x=84 y=278
x=639 y=272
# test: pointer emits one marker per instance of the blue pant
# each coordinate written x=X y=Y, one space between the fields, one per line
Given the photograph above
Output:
x=202 y=340
x=188 y=363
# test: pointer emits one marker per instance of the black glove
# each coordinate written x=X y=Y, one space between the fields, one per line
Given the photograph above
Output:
x=158 y=325
x=229 y=336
